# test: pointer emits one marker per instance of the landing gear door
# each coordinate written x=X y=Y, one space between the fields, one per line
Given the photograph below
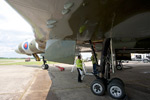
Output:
x=62 y=51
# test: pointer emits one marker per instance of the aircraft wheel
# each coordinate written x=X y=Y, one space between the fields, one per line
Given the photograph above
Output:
x=116 y=89
x=119 y=67
x=98 y=87
x=117 y=80
x=145 y=61
x=45 y=66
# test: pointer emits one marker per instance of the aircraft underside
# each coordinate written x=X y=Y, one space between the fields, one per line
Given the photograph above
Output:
x=114 y=28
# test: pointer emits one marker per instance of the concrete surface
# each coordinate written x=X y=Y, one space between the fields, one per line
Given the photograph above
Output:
x=32 y=83
x=23 y=83
x=136 y=77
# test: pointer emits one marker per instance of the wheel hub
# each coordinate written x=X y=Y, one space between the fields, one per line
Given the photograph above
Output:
x=97 y=88
x=115 y=91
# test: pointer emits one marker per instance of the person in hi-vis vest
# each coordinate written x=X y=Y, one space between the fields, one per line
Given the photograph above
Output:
x=94 y=63
x=79 y=68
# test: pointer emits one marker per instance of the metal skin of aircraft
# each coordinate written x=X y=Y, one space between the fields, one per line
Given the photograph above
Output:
x=31 y=48
x=120 y=27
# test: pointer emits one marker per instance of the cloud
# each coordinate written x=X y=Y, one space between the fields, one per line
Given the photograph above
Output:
x=11 y=20
x=9 y=41
x=13 y=30
x=15 y=36
x=2 y=17
x=10 y=53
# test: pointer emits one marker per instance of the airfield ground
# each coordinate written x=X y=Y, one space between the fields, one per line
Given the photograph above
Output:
x=18 y=82
x=135 y=75
x=30 y=82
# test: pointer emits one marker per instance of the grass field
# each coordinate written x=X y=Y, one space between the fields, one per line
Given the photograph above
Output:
x=22 y=62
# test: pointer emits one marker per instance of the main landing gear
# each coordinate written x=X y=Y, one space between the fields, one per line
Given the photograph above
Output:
x=114 y=87
x=44 y=66
x=103 y=83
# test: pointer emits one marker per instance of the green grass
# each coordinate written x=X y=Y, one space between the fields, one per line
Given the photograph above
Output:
x=12 y=58
x=22 y=62
x=27 y=63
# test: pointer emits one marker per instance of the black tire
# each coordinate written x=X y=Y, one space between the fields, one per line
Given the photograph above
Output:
x=116 y=90
x=45 y=66
x=117 y=80
x=98 y=87
x=145 y=61
x=119 y=67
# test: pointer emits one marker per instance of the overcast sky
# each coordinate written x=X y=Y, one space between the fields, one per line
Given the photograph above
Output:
x=13 y=30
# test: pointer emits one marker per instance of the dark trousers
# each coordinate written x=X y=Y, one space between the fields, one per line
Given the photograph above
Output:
x=94 y=69
x=79 y=75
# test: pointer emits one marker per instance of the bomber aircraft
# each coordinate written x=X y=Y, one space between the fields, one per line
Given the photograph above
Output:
x=114 y=28
x=31 y=48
